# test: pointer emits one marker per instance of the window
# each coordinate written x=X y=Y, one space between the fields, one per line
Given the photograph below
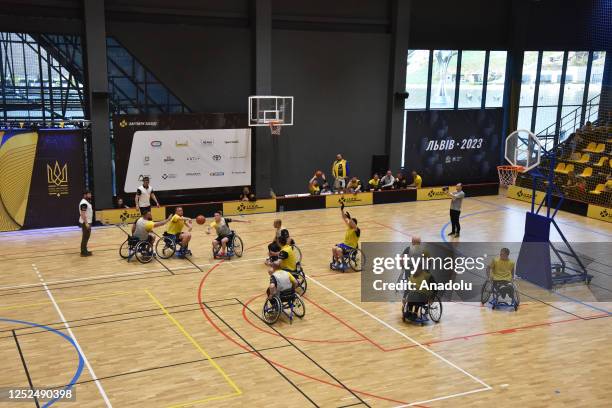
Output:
x=443 y=79
x=496 y=78
x=416 y=79
x=528 y=78
x=597 y=69
x=575 y=77
x=471 y=79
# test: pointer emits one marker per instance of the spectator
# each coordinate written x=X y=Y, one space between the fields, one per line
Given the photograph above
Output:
x=386 y=183
x=340 y=172
x=314 y=188
x=247 y=195
x=374 y=183
x=417 y=181
x=400 y=181
x=325 y=189
x=144 y=195
x=319 y=176
x=354 y=186
x=119 y=203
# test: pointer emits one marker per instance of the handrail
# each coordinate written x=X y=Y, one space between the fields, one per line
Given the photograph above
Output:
x=588 y=105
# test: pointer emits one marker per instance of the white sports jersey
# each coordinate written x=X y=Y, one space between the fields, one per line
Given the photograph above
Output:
x=85 y=205
x=144 y=196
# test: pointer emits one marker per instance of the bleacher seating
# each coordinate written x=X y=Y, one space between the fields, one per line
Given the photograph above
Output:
x=583 y=168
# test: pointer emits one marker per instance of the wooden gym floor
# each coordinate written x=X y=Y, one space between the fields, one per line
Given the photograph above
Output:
x=186 y=332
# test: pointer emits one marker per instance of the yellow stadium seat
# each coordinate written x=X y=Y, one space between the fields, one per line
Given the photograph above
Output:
x=601 y=147
x=560 y=168
x=601 y=161
x=569 y=168
x=584 y=159
x=587 y=172
x=590 y=148
x=598 y=190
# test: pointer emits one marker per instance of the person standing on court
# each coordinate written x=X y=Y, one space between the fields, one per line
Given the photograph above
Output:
x=340 y=173
x=144 y=194
x=85 y=220
x=455 y=209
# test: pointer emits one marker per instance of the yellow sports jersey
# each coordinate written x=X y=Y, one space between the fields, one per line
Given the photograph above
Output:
x=350 y=238
x=374 y=182
x=290 y=262
x=339 y=168
x=176 y=225
x=501 y=270
x=418 y=181
x=314 y=189
x=418 y=279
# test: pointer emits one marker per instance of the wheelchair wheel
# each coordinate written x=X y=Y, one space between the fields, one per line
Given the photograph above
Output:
x=124 y=250
x=299 y=308
x=237 y=246
x=271 y=310
x=302 y=284
x=165 y=247
x=435 y=309
x=517 y=297
x=487 y=291
x=356 y=259
x=144 y=252
x=298 y=253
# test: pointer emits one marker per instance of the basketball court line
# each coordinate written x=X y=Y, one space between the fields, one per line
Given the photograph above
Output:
x=76 y=343
x=25 y=367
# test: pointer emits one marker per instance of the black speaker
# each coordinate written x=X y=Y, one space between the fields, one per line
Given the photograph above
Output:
x=380 y=164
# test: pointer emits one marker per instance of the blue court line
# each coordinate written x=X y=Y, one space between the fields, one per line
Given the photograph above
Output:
x=79 y=370
x=558 y=222
x=443 y=236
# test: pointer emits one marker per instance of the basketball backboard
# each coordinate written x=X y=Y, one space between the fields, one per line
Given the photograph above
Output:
x=266 y=109
x=523 y=149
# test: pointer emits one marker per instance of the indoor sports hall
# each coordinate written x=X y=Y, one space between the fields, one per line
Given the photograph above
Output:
x=264 y=203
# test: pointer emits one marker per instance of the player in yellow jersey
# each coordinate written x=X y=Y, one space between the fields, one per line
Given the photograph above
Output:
x=175 y=227
x=417 y=181
x=287 y=258
x=351 y=240
x=501 y=273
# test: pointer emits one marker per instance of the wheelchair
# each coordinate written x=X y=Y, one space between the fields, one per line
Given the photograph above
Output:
x=353 y=258
x=504 y=293
x=234 y=247
x=430 y=310
x=168 y=245
x=134 y=247
x=286 y=300
x=300 y=278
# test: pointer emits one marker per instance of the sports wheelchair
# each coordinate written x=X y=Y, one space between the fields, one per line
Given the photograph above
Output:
x=429 y=310
x=234 y=247
x=280 y=303
x=134 y=247
x=500 y=293
x=168 y=245
x=300 y=278
x=353 y=258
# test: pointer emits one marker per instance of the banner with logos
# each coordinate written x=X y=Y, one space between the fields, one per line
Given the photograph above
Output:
x=600 y=213
x=189 y=159
x=453 y=146
x=432 y=193
x=128 y=215
x=524 y=194
x=41 y=178
x=349 y=200
x=249 y=207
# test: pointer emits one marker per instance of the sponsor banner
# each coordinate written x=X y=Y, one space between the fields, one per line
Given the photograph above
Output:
x=349 y=200
x=454 y=146
x=249 y=207
x=432 y=193
x=127 y=215
x=599 y=213
x=189 y=159
x=524 y=194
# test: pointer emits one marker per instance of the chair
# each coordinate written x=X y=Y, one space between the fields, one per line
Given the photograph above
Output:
x=560 y=168
x=598 y=189
x=288 y=299
x=587 y=172
x=585 y=158
x=601 y=147
x=590 y=148
x=601 y=161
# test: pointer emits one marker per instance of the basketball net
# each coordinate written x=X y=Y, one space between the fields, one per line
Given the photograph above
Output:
x=507 y=174
x=275 y=127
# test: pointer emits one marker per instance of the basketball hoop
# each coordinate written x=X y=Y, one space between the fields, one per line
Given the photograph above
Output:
x=275 y=127
x=507 y=174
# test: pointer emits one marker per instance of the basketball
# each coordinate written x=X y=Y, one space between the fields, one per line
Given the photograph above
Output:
x=200 y=219
x=319 y=173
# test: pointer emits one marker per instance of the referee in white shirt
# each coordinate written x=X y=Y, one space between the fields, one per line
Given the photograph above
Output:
x=85 y=220
x=144 y=194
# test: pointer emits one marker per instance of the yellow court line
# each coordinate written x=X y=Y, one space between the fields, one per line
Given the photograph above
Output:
x=202 y=351
x=47 y=303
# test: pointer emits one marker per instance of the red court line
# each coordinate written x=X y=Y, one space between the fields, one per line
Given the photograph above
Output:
x=246 y=318
x=252 y=352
